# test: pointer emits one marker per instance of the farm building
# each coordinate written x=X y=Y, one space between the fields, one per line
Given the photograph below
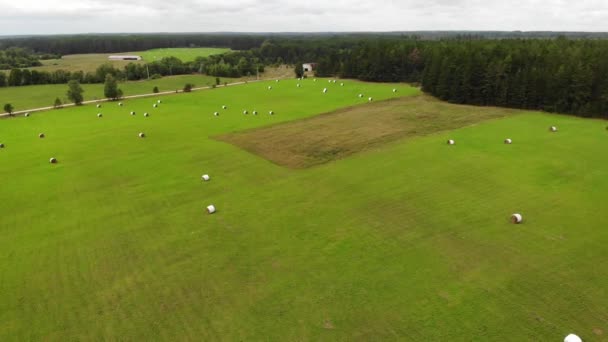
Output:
x=124 y=58
x=309 y=67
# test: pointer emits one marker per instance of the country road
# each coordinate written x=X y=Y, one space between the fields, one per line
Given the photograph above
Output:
x=125 y=98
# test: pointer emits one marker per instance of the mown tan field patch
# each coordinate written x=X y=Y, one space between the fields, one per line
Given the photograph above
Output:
x=339 y=134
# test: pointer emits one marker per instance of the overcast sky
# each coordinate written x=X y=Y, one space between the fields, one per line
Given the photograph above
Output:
x=83 y=16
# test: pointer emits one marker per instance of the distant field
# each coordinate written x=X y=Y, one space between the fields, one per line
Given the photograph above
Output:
x=185 y=54
x=90 y=62
x=29 y=97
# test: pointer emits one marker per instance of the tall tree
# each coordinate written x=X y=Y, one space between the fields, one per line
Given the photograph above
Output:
x=110 y=88
x=75 y=92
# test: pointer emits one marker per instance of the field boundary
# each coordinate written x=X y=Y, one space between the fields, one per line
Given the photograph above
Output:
x=170 y=92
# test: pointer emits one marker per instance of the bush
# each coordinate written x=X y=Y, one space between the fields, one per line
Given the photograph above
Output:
x=188 y=87
x=58 y=103
x=155 y=90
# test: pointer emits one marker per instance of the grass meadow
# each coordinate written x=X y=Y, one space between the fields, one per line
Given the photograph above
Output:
x=37 y=96
x=401 y=238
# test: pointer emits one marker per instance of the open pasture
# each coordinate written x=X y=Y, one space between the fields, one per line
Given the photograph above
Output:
x=405 y=238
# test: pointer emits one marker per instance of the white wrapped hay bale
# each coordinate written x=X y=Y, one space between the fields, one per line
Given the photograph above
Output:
x=572 y=338
x=98 y=105
x=211 y=209
x=146 y=115
x=324 y=90
x=553 y=129
x=120 y=104
x=99 y=115
x=508 y=141
x=53 y=161
x=315 y=80
x=205 y=178
x=451 y=142
x=394 y=90
x=141 y=135
x=270 y=112
x=334 y=81
x=269 y=87
x=224 y=107
x=132 y=113
x=245 y=112
x=255 y=112
x=155 y=105
x=216 y=114
x=341 y=84
x=41 y=135
x=298 y=85
x=370 y=99
x=360 y=95
x=159 y=101
x=27 y=114
x=517 y=218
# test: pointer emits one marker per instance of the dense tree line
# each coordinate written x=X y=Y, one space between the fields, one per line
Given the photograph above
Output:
x=108 y=43
x=15 y=57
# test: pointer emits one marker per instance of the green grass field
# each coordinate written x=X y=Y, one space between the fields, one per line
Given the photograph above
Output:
x=185 y=54
x=408 y=240
x=37 y=96
x=91 y=61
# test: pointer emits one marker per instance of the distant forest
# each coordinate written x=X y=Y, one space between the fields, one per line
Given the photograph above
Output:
x=566 y=73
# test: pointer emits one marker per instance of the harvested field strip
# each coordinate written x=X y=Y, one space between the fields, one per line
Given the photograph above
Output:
x=339 y=134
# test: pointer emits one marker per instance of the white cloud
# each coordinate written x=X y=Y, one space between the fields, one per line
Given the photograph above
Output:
x=77 y=16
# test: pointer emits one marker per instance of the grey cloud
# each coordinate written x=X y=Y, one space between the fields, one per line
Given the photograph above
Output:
x=73 y=16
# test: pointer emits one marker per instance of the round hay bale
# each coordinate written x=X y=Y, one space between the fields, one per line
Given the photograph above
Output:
x=205 y=178
x=141 y=135
x=159 y=101
x=341 y=84
x=451 y=142
x=298 y=85
x=329 y=81
x=120 y=104
x=224 y=107
x=41 y=135
x=277 y=81
x=98 y=105
x=269 y=88
x=508 y=141
x=360 y=95
x=99 y=115
x=255 y=112
x=211 y=209
x=324 y=90
x=315 y=80
x=334 y=81
x=53 y=161
x=516 y=218
x=216 y=114
x=27 y=114
x=132 y=113
x=270 y=112
x=553 y=129
x=394 y=90
x=370 y=99
x=1 y=145
x=245 y=112
x=146 y=115
x=155 y=105
x=572 y=338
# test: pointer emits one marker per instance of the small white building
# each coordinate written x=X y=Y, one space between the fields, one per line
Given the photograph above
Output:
x=309 y=67
x=124 y=58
